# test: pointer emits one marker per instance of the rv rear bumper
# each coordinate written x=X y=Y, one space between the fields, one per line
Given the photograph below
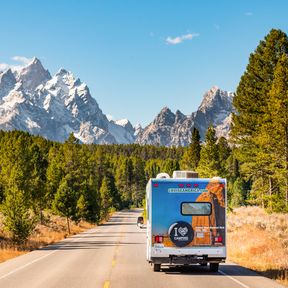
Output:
x=188 y=255
x=184 y=260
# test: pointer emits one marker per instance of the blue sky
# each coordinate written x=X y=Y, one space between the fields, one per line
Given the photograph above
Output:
x=139 y=56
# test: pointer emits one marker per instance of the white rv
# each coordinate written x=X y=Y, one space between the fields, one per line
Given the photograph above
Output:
x=186 y=220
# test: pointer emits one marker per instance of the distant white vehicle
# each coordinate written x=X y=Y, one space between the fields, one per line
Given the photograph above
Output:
x=186 y=220
x=140 y=222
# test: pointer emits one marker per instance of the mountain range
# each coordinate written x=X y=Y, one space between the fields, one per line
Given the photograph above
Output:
x=54 y=106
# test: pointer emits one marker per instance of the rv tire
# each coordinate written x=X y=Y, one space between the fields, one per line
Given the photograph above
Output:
x=156 y=267
x=214 y=267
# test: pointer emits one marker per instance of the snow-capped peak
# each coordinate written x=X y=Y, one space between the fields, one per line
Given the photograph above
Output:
x=33 y=101
x=7 y=82
x=165 y=117
x=122 y=122
x=216 y=95
x=32 y=75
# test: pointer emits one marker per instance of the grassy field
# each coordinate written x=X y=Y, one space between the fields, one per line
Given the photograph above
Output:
x=54 y=230
x=259 y=241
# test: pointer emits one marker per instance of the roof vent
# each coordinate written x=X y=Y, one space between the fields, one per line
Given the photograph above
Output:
x=163 y=175
x=185 y=174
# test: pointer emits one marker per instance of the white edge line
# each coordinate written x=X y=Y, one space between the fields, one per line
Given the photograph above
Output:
x=38 y=259
x=234 y=279
x=29 y=263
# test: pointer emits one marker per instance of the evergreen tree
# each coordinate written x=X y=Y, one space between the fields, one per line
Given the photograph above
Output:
x=152 y=168
x=72 y=139
x=109 y=196
x=277 y=134
x=209 y=165
x=224 y=152
x=169 y=166
x=254 y=123
x=124 y=180
x=139 y=181
x=17 y=216
x=65 y=201
x=273 y=141
x=54 y=173
x=251 y=98
x=38 y=179
x=191 y=157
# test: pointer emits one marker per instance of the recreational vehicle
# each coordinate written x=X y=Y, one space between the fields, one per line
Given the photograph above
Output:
x=186 y=220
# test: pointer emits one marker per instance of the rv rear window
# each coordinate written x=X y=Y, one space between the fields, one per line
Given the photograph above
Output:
x=196 y=208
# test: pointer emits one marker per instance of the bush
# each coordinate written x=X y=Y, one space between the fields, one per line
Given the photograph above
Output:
x=18 y=219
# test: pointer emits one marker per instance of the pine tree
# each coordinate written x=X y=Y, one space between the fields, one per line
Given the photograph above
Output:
x=54 y=173
x=139 y=181
x=124 y=180
x=38 y=179
x=65 y=201
x=110 y=199
x=255 y=102
x=224 y=152
x=191 y=157
x=273 y=141
x=169 y=166
x=209 y=165
x=251 y=98
x=18 y=218
x=152 y=168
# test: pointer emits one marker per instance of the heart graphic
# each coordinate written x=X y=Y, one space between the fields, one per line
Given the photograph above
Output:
x=183 y=231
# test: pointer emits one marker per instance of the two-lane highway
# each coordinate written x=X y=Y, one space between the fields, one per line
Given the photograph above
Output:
x=113 y=256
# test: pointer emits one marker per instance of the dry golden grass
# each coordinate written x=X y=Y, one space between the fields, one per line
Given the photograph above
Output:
x=9 y=253
x=259 y=241
x=54 y=230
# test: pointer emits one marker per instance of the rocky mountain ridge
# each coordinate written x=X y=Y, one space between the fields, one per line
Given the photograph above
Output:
x=55 y=106
x=171 y=129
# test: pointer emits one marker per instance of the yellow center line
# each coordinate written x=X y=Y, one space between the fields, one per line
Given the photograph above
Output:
x=113 y=262
x=107 y=283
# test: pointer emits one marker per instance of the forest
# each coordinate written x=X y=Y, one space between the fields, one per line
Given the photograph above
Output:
x=87 y=182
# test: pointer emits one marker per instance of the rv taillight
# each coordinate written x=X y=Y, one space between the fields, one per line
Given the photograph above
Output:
x=218 y=239
x=181 y=185
x=188 y=185
x=196 y=185
x=155 y=184
x=158 y=239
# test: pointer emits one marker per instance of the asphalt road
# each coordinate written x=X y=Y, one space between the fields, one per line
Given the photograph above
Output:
x=113 y=256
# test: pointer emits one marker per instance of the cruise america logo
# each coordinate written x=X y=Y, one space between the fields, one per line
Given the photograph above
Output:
x=186 y=190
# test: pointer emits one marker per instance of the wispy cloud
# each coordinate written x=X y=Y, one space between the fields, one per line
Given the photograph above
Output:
x=21 y=61
x=179 y=39
x=248 y=14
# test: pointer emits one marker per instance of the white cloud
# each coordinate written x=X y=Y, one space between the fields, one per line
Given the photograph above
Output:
x=248 y=14
x=180 y=39
x=22 y=61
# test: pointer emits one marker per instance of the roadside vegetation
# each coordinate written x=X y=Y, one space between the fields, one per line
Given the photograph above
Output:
x=86 y=182
x=51 y=231
x=259 y=241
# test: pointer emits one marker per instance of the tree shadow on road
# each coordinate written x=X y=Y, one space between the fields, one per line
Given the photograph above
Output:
x=80 y=245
